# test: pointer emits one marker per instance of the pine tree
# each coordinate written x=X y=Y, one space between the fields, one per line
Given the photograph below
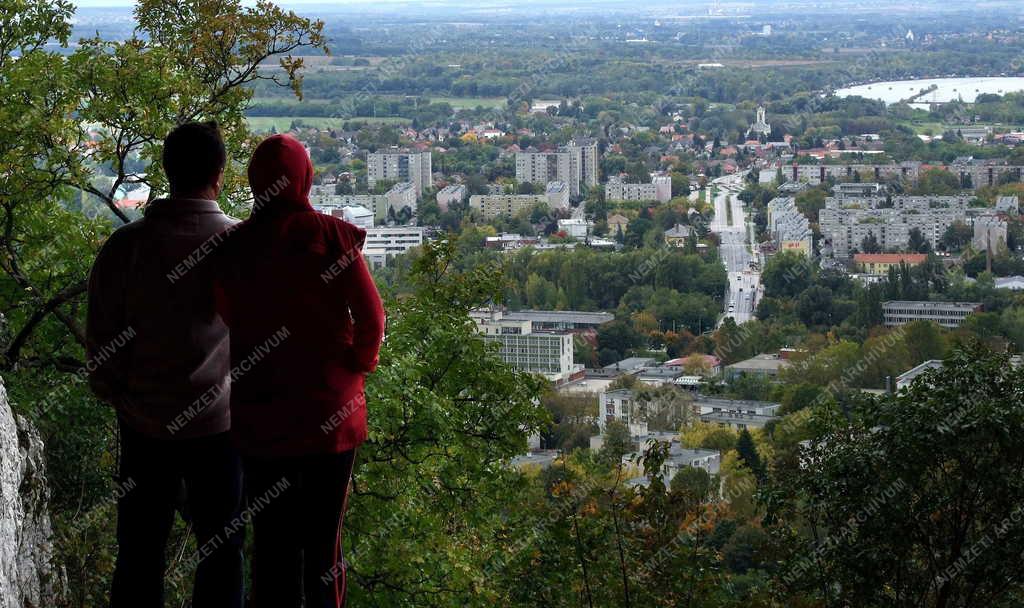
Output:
x=747 y=452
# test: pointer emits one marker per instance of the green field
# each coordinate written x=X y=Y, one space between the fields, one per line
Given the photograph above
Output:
x=262 y=124
x=462 y=103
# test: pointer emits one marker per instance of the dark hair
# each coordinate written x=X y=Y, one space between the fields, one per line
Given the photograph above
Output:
x=194 y=155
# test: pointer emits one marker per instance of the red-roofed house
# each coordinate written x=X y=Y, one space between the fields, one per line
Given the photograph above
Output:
x=879 y=263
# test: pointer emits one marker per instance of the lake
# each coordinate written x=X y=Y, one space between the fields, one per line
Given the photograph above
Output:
x=947 y=89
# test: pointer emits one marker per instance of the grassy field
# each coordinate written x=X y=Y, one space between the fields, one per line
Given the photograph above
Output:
x=460 y=103
x=262 y=124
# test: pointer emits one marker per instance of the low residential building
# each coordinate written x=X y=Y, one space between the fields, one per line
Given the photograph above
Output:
x=576 y=228
x=766 y=365
x=677 y=235
x=879 y=263
x=945 y=314
x=450 y=195
x=510 y=241
x=384 y=243
x=617 y=224
x=546 y=353
x=679 y=458
x=907 y=378
x=716 y=405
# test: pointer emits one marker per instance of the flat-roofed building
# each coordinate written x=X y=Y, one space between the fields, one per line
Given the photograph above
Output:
x=384 y=243
x=496 y=205
x=767 y=365
x=546 y=353
x=451 y=194
x=557 y=194
x=659 y=189
x=945 y=314
x=576 y=228
x=561 y=320
x=990 y=234
x=543 y=167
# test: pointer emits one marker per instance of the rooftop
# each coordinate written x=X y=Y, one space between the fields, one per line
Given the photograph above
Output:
x=889 y=258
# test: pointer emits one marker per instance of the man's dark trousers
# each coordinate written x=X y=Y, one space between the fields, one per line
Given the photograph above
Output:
x=152 y=471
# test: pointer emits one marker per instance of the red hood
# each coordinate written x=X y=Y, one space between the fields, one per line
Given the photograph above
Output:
x=280 y=174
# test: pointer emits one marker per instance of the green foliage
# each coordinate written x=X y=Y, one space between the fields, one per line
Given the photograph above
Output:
x=446 y=415
x=917 y=495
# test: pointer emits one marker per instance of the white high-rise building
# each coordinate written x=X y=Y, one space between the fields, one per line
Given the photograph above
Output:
x=576 y=164
x=400 y=166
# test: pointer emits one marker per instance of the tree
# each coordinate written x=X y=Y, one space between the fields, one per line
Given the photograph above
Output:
x=917 y=243
x=787 y=274
x=917 y=481
x=437 y=379
x=747 y=452
x=815 y=306
x=870 y=244
x=937 y=182
x=956 y=236
x=616 y=443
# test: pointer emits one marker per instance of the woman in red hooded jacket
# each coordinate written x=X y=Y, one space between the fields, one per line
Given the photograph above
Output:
x=306 y=325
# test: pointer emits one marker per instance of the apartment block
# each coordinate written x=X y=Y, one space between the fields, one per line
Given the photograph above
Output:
x=495 y=205
x=400 y=166
x=453 y=194
x=846 y=221
x=659 y=189
x=816 y=174
x=978 y=173
x=575 y=164
x=585 y=157
x=945 y=314
x=544 y=167
x=789 y=228
x=989 y=234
